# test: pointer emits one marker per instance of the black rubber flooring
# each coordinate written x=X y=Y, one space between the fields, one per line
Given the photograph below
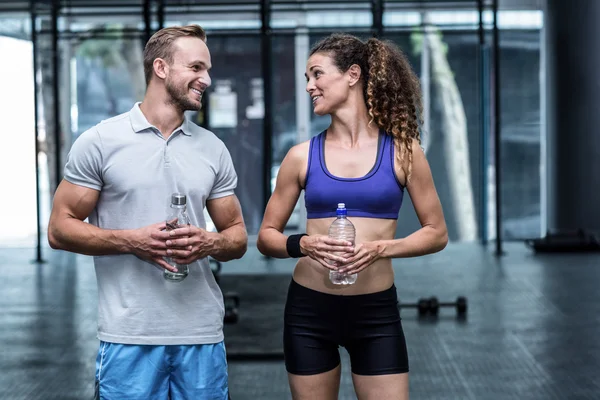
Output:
x=531 y=330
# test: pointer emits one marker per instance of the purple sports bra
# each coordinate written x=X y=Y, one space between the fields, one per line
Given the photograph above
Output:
x=378 y=194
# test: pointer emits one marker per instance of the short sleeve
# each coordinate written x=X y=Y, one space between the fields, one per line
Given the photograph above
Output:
x=226 y=181
x=84 y=161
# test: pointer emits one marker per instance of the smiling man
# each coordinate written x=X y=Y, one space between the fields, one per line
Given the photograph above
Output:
x=158 y=339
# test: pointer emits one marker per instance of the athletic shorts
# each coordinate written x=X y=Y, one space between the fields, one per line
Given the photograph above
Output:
x=367 y=325
x=138 y=372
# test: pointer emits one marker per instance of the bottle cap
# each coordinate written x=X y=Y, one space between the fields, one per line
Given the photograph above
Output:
x=341 y=205
x=178 y=199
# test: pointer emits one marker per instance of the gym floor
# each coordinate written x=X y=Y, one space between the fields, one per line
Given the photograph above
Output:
x=530 y=333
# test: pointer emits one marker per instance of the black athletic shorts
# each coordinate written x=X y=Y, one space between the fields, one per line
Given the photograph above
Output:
x=367 y=325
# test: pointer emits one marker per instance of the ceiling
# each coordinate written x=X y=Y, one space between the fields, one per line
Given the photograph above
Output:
x=23 y=5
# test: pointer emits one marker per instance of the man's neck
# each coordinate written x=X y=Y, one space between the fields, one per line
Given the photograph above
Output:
x=164 y=116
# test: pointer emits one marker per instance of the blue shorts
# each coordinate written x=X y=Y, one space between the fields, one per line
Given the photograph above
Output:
x=135 y=372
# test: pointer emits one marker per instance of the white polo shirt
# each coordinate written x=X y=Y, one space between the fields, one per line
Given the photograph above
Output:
x=136 y=170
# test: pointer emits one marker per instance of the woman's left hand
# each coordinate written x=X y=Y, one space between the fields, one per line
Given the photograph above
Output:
x=365 y=254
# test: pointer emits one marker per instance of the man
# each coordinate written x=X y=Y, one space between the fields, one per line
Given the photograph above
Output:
x=158 y=339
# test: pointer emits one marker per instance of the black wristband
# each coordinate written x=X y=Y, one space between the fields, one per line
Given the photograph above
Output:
x=293 y=245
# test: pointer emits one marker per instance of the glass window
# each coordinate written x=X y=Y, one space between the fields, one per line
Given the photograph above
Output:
x=446 y=62
x=102 y=75
x=520 y=133
x=110 y=79
x=17 y=153
x=285 y=129
x=235 y=112
x=109 y=76
x=284 y=97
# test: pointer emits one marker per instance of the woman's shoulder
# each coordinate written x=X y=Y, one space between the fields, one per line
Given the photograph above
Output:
x=299 y=151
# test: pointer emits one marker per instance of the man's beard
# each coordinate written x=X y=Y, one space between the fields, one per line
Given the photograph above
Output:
x=179 y=98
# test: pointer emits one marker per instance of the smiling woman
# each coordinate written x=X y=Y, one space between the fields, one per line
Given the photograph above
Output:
x=366 y=158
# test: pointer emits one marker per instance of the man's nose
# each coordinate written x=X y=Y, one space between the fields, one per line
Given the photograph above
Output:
x=205 y=79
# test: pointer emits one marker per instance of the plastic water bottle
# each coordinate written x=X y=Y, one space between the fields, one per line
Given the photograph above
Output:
x=177 y=218
x=342 y=229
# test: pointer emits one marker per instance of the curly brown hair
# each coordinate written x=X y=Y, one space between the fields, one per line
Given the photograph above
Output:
x=391 y=88
x=160 y=45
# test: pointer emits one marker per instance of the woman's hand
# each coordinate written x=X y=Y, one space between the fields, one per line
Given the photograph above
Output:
x=365 y=254
x=327 y=251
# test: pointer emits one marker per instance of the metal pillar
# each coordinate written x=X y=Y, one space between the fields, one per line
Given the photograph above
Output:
x=484 y=81
x=303 y=106
x=426 y=81
x=33 y=15
x=160 y=14
x=147 y=21
x=56 y=93
x=377 y=10
x=497 y=129
x=267 y=76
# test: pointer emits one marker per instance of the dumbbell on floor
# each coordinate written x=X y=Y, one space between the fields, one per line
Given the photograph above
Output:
x=422 y=306
x=460 y=304
x=432 y=306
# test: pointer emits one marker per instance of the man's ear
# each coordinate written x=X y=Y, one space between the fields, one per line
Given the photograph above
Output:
x=161 y=68
x=354 y=72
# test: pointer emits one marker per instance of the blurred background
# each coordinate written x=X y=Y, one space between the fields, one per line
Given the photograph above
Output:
x=511 y=100
x=89 y=68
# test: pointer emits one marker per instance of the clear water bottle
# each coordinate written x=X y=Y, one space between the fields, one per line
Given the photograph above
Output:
x=177 y=218
x=342 y=229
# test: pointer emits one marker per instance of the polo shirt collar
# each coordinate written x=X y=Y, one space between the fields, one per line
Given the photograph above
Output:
x=140 y=124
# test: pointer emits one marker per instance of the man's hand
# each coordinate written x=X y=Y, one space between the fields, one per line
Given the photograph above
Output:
x=148 y=244
x=188 y=244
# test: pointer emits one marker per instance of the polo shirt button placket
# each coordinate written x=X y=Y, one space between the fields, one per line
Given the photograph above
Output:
x=166 y=157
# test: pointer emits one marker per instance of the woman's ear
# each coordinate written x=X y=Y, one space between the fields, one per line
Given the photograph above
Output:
x=354 y=73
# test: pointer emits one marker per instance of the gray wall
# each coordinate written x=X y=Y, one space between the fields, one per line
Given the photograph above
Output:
x=573 y=114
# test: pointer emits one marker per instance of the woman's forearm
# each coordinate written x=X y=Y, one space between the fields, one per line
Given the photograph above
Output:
x=426 y=240
x=272 y=243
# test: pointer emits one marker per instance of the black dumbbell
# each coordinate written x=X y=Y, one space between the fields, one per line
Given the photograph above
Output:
x=232 y=303
x=460 y=304
x=422 y=305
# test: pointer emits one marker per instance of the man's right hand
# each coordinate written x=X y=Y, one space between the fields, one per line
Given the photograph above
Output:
x=146 y=244
x=66 y=230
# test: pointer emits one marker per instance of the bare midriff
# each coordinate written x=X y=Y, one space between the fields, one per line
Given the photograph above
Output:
x=377 y=277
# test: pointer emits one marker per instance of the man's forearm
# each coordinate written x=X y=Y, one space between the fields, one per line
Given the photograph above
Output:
x=81 y=237
x=231 y=244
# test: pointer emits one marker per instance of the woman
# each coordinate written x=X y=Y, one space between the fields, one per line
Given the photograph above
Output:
x=366 y=158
